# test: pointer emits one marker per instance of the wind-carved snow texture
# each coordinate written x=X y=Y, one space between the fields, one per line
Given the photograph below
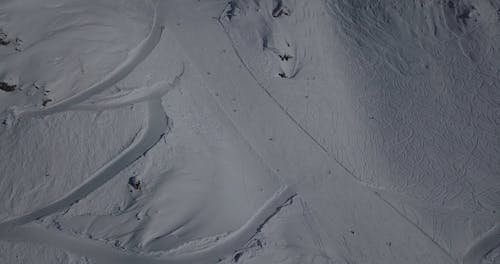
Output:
x=25 y=229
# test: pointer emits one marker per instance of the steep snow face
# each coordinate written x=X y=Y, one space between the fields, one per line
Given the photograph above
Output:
x=403 y=95
x=434 y=93
x=264 y=131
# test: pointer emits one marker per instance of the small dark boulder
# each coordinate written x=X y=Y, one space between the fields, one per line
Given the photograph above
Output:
x=7 y=87
x=46 y=101
x=134 y=183
x=237 y=256
x=3 y=39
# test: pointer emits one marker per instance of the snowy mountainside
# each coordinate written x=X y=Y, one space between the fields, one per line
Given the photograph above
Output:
x=263 y=131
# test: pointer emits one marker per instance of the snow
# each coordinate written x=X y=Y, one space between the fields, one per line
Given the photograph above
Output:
x=266 y=131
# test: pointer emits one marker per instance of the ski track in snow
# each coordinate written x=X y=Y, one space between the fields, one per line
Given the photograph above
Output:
x=477 y=250
x=135 y=96
x=102 y=253
x=307 y=134
x=22 y=228
x=17 y=230
x=369 y=187
x=134 y=58
x=153 y=130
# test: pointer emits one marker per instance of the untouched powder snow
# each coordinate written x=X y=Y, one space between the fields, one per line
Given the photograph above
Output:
x=263 y=131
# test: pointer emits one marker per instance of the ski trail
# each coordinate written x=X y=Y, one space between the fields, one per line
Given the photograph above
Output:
x=131 y=97
x=374 y=189
x=484 y=244
x=378 y=191
x=155 y=126
x=134 y=58
x=103 y=253
x=287 y=159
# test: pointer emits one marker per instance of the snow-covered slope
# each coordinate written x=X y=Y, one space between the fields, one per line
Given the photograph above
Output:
x=264 y=131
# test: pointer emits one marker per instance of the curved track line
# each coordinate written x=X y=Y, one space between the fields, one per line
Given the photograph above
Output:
x=134 y=58
x=135 y=96
x=286 y=112
x=103 y=253
x=238 y=238
x=192 y=19
x=155 y=127
x=371 y=188
x=484 y=244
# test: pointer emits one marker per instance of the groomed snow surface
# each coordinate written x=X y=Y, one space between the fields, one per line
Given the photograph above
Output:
x=263 y=131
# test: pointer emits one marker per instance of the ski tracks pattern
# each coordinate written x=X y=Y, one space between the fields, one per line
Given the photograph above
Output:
x=25 y=229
